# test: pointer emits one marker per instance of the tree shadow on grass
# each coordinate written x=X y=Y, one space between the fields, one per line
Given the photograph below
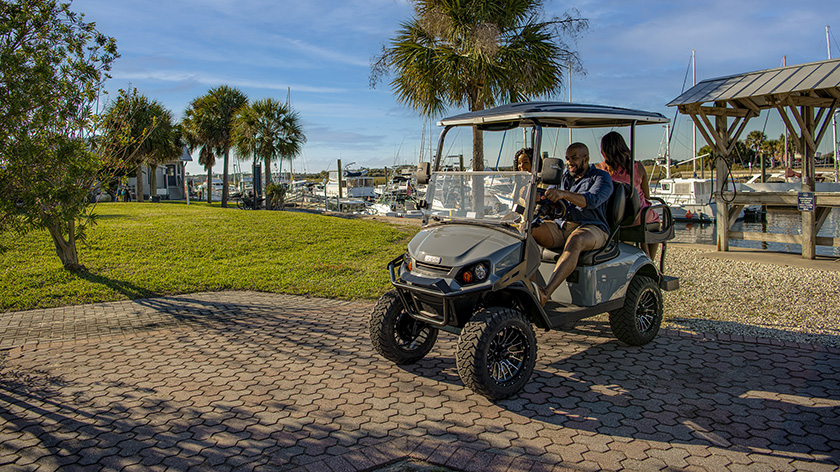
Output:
x=125 y=288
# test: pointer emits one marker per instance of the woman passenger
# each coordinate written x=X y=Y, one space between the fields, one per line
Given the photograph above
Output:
x=617 y=162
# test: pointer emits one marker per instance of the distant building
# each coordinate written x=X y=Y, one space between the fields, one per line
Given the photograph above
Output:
x=169 y=176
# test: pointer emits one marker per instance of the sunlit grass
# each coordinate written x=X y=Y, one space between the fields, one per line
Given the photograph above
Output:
x=145 y=249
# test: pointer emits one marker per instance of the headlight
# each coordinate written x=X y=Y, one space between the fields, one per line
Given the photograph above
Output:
x=408 y=262
x=473 y=274
x=481 y=272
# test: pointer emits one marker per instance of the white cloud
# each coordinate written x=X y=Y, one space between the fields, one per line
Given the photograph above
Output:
x=189 y=77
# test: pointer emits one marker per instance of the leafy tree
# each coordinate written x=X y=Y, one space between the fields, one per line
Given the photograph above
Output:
x=210 y=122
x=267 y=129
x=768 y=148
x=53 y=65
x=148 y=123
x=708 y=161
x=755 y=139
x=477 y=54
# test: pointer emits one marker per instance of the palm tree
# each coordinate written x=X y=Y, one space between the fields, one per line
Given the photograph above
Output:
x=147 y=123
x=477 y=53
x=211 y=123
x=207 y=158
x=267 y=129
x=197 y=127
x=754 y=142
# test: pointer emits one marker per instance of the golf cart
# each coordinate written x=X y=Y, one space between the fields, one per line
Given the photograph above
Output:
x=472 y=268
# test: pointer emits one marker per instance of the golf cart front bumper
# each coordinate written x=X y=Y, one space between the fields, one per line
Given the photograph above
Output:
x=433 y=300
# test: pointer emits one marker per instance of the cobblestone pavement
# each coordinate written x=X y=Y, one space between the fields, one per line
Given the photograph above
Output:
x=252 y=381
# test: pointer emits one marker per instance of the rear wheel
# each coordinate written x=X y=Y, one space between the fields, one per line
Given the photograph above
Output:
x=638 y=321
x=497 y=351
x=397 y=336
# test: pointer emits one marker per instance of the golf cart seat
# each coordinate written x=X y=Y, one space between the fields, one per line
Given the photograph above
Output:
x=622 y=207
x=656 y=232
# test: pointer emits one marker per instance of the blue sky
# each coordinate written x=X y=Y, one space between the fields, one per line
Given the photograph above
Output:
x=636 y=54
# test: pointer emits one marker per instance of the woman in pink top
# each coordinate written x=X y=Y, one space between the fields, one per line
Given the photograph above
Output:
x=617 y=162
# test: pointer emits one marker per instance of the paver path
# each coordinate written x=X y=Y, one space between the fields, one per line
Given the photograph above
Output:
x=253 y=381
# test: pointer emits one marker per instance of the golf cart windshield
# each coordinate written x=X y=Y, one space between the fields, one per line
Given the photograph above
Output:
x=487 y=197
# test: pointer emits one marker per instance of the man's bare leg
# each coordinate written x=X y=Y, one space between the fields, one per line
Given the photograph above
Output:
x=578 y=242
x=542 y=235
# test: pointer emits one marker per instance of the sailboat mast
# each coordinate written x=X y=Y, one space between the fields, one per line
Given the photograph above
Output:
x=787 y=163
x=694 y=128
x=834 y=117
x=291 y=166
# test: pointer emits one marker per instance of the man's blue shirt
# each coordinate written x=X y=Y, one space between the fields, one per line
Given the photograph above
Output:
x=596 y=186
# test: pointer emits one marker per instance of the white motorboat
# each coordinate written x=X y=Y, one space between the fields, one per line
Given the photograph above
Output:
x=354 y=184
x=689 y=198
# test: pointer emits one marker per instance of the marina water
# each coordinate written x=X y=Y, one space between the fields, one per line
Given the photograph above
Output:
x=785 y=221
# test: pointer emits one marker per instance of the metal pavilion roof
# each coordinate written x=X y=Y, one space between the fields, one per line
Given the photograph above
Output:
x=755 y=89
x=557 y=114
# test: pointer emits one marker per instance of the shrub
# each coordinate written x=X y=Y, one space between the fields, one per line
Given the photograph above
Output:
x=275 y=196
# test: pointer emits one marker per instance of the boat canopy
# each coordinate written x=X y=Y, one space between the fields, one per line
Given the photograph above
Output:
x=554 y=114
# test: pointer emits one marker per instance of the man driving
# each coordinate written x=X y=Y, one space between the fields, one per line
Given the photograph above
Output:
x=584 y=191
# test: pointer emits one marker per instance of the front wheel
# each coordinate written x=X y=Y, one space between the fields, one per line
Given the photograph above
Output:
x=497 y=351
x=397 y=336
x=638 y=321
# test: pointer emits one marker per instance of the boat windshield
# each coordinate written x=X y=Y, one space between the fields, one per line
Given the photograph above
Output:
x=488 y=197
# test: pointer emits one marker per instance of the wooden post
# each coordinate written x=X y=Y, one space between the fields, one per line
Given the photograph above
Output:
x=809 y=236
x=763 y=167
x=720 y=181
x=340 y=179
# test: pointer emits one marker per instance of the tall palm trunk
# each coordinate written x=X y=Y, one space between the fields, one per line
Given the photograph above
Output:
x=210 y=185
x=267 y=172
x=225 y=178
x=478 y=165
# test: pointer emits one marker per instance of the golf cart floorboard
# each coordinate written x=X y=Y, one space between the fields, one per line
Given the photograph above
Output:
x=560 y=314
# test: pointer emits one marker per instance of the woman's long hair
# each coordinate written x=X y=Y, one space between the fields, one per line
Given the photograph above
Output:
x=616 y=153
x=528 y=152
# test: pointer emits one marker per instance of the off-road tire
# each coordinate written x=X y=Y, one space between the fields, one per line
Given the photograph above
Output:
x=497 y=351
x=397 y=336
x=638 y=321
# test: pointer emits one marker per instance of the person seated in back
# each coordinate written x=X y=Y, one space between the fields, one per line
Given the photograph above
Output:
x=584 y=191
x=522 y=163
x=617 y=162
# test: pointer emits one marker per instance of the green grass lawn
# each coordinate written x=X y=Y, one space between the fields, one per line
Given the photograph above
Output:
x=141 y=250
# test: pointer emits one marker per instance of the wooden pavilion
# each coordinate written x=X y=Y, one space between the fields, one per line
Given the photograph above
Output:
x=806 y=96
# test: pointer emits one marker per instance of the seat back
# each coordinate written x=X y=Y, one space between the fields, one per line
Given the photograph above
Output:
x=622 y=208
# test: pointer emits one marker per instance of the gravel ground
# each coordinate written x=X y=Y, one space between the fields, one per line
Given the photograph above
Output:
x=757 y=299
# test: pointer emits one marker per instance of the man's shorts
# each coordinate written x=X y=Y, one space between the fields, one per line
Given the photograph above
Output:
x=559 y=236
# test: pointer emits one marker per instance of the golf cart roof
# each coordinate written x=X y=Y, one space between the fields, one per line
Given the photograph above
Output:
x=554 y=114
